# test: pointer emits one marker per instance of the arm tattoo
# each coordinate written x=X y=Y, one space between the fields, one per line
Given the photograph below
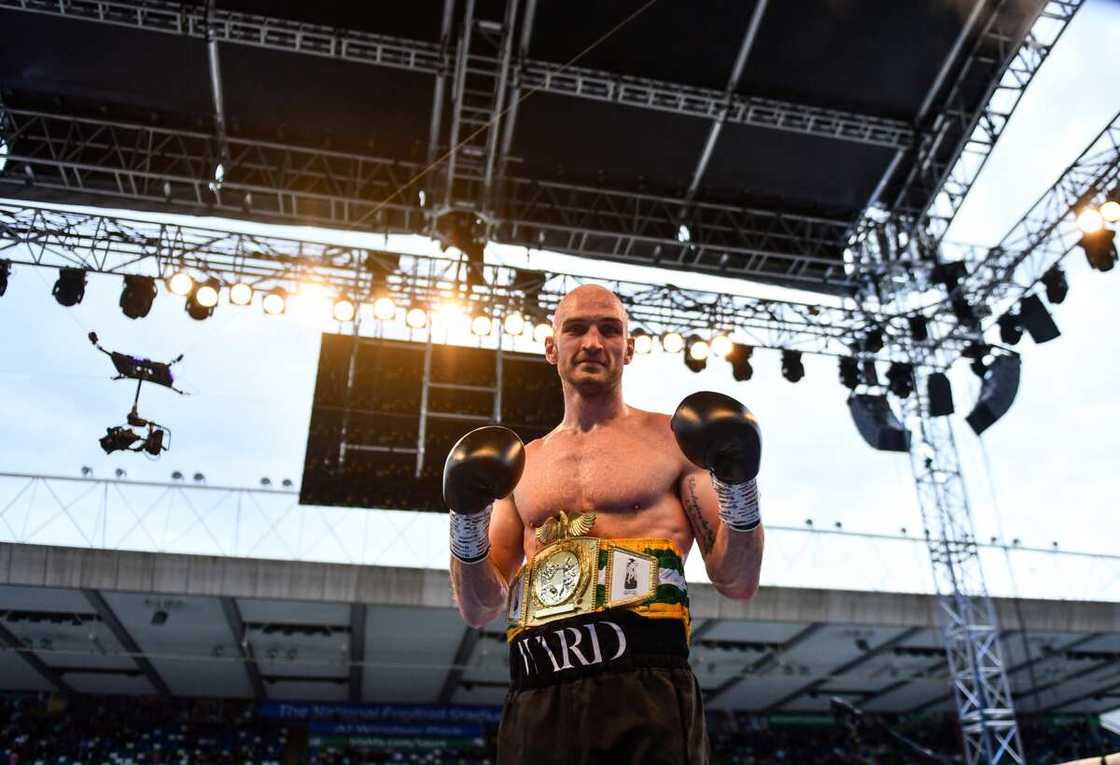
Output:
x=705 y=535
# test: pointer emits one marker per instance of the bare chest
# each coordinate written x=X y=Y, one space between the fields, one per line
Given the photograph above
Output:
x=606 y=473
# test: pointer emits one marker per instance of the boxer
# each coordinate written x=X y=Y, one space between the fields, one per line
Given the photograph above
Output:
x=579 y=539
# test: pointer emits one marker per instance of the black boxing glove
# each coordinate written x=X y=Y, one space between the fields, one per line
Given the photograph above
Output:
x=484 y=465
x=719 y=434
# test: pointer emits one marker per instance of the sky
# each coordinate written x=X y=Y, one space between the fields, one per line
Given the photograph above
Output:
x=1046 y=472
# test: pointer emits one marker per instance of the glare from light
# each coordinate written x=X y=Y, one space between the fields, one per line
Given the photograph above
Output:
x=313 y=300
x=384 y=308
x=541 y=331
x=1090 y=220
x=423 y=198
x=721 y=345
x=241 y=294
x=275 y=302
x=219 y=173
x=180 y=283
x=3 y=154
x=683 y=234
x=416 y=318
x=344 y=309
x=206 y=296
x=481 y=325
x=699 y=350
x=643 y=343
x=1110 y=211
x=672 y=342
x=513 y=323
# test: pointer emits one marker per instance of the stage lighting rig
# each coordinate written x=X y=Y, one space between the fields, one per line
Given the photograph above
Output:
x=900 y=379
x=1056 y=285
x=1010 y=329
x=1100 y=250
x=919 y=328
x=792 y=368
x=137 y=295
x=696 y=353
x=201 y=301
x=122 y=437
x=5 y=272
x=849 y=372
x=740 y=358
x=70 y=287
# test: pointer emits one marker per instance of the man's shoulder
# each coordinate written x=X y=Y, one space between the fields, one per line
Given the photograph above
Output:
x=653 y=421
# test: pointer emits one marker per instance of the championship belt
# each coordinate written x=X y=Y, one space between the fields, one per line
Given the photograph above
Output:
x=574 y=574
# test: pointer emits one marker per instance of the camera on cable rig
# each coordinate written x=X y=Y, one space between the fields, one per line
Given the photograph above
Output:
x=157 y=438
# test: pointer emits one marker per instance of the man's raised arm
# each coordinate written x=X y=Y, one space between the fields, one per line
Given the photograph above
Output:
x=718 y=488
x=483 y=467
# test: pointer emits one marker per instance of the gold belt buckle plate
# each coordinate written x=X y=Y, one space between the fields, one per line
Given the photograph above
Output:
x=562 y=580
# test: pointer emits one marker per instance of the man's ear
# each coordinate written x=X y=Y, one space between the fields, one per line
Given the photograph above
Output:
x=629 y=350
x=550 y=350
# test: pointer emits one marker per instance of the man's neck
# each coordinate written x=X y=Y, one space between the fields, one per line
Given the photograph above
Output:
x=582 y=413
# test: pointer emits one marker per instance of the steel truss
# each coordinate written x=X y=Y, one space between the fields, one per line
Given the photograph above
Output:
x=98 y=160
x=107 y=244
x=950 y=154
x=431 y=58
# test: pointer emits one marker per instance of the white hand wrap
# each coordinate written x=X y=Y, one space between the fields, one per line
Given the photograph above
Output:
x=738 y=503
x=470 y=535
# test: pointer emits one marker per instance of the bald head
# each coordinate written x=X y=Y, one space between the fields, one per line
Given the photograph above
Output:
x=590 y=299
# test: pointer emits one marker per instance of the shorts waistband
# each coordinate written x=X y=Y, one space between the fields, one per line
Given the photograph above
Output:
x=594 y=643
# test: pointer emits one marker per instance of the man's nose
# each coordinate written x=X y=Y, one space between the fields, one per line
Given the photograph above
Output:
x=592 y=340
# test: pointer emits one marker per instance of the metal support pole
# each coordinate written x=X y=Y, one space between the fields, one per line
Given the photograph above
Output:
x=422 y=431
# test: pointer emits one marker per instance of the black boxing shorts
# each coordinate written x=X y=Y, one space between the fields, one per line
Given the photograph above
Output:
x=606 y=687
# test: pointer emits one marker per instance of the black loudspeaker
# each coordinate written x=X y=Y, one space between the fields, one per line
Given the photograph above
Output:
x=877 y=424
x=940 y=395
x=997 y=392
x=1036 y=319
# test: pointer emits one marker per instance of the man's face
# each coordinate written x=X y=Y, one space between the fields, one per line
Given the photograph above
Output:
x=591 y=342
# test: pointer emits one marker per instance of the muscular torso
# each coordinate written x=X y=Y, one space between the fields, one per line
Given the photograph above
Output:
x=626 y=472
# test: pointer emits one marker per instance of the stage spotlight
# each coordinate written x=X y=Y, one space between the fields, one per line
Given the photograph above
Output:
x=180 y=283
x=1100 y=250
x=1037 y=320
x=873 y=342
x=698 y=348
x=1056 y=285
x=849 y=372
x=1010 y=330
x=964 y=312
x=275 y=302
x=241 y=294
x=1110 y=211
x=3 y=154
x=792 y=369
x=977 y=352
x=344 y=309
x=1090 y=220
x=416 y=318
x=541 y=331
x=513 y=323
x=384 y=308
x=200 y=303
x=940 y=395
x=721 y=345
x=481 y=325
x=919 y=328
x=672 y=342
x=159 y=617
x=5 y=272
x=740 y=358
x=137 y=296
x=70 y=287
x=696 y=354
x=643 y=342
x=900 y=379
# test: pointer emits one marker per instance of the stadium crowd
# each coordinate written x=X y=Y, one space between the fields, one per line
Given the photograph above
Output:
x=84 y=730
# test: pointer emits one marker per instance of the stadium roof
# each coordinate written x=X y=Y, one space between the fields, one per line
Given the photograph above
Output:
x=236 y=627
x=767 y=129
